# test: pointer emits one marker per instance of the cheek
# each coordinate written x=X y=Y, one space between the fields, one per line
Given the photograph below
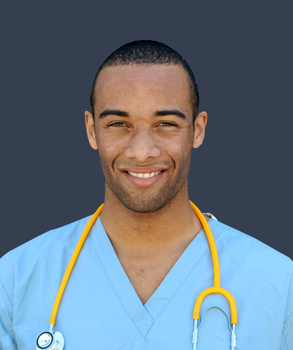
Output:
x=106 y=145
x=106 y=153
x=179 y=147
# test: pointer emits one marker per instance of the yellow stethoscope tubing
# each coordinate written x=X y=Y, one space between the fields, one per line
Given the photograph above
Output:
x=216 y=289
x=196 y=312
x=72 y=263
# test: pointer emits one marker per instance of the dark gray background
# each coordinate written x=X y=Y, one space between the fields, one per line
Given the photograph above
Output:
x=241 y=54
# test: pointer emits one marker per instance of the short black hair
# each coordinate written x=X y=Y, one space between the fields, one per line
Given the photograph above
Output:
x=149 y=52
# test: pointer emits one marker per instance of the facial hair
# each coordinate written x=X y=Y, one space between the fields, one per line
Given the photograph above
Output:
x=147 y=201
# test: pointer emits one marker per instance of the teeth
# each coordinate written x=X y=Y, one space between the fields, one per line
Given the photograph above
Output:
x=144 y=175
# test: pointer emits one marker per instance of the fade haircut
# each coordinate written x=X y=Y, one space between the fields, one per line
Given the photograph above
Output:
x=149 y=52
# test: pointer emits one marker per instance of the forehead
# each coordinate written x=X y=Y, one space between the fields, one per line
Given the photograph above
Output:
x=162 y=84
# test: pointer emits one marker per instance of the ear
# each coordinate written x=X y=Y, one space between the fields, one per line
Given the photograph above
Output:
x=90 y=129
x=199 y=129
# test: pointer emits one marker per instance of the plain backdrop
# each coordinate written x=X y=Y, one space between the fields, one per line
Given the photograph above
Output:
x=241 y=55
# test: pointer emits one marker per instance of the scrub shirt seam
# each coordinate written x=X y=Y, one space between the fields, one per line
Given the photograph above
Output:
x=6 y=298
x=288 y=321
x=186 y=277
x=118 y=297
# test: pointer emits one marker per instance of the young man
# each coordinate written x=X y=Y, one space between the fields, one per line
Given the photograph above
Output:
x=146 y=258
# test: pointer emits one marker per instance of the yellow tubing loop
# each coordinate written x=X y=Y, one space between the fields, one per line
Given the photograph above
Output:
x=72 y=262
x=216 y=289
x=196 y=312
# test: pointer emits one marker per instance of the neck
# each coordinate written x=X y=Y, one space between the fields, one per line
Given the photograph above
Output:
x=172 y=227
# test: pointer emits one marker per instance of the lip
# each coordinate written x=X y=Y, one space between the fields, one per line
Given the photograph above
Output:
x=144 y=182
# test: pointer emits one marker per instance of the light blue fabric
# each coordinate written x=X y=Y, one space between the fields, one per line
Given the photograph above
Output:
x=100 y=309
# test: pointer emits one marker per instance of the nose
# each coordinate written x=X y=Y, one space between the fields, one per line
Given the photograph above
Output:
x=142 y=145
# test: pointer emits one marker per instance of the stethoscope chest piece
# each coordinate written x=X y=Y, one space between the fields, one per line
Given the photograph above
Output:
x=53 y=340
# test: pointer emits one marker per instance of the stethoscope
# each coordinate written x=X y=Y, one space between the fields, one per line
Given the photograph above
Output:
x=54 y=340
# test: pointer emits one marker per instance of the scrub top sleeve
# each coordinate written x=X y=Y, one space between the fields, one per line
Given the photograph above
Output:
x=7 y=340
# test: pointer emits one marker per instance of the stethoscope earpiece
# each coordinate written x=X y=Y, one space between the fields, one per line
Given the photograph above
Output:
x=50 y=340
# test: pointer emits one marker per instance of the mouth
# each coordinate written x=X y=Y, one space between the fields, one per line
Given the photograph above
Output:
x=144 y=179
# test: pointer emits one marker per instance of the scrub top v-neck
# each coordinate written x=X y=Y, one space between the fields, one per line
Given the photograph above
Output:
x=144 y=317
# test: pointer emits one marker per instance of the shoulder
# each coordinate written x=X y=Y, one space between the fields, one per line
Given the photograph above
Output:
x=245 y=247
x=259 y=268
x=30 y=275
x=42 y=248
x=253 y=258
x=240 y=242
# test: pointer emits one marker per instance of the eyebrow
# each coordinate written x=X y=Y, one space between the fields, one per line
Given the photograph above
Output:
x=162 y=113
x=170 y=112
x=113 y=112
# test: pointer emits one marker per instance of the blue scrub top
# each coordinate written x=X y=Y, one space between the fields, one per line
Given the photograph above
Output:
x=101 y=310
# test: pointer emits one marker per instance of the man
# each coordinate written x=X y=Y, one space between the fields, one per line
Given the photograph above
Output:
x=146 y=258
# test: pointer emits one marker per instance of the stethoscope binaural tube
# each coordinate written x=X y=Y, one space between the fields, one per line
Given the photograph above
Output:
x=54 y=340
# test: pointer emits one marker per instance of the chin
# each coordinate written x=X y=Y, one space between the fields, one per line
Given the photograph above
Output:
x=144 y=205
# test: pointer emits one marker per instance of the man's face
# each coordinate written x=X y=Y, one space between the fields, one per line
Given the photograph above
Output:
x=144 y=133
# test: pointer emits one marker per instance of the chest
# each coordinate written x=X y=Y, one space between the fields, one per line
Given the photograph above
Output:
x=105 y=307
x=146 y=277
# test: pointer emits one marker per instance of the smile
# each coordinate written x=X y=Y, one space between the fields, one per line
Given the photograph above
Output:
x=144 y=175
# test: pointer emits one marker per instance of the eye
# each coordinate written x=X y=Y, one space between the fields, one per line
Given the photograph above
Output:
x=167 y=124
x=118 y=124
